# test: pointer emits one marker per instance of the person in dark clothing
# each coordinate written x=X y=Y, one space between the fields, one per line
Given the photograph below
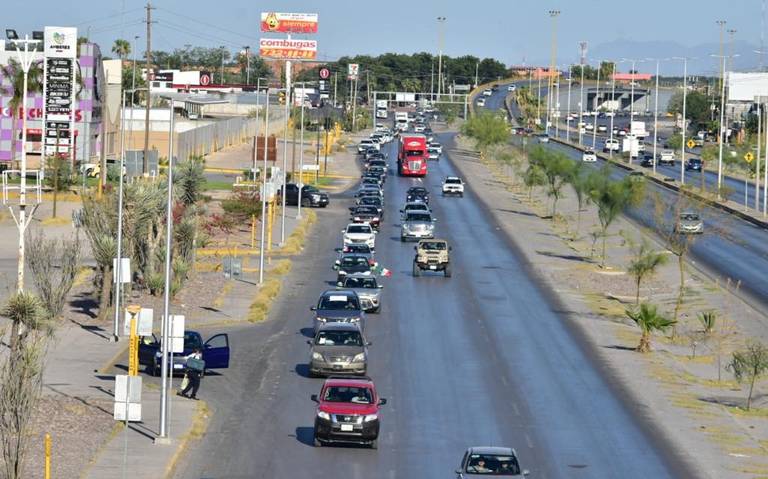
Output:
x=195 y=368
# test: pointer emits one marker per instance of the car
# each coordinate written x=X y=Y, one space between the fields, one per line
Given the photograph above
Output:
x=370 y=153
x=377 y=171
x=432 y=255
x=414 y=206
x=433 y=154
x=487 y=92
x=693 y=164
x=338 y=306
x=512 y=87
x=436 y=146
x=374 y=201
x=622 y=132
x=481 y=102
x=351 y=263
x=364 y=145
x=490 y=461
x=453 y=185
x=602 y=128
x=381 y=162
x=646 y=160
x=347 y=412
x=371 y=180
x=417 y=193
x=359 y=249
x=310 y=196
x=611 y=145
x=338 y=348
x=359 y=233
x=689 y=222
x=589 y=156
x=369 y=189
x=419 y=127
x=589 y=126
x=543 y=138
x=417 y=225
x=365 y=214
x=368 y=290
x=215 y=352
x=667 y=157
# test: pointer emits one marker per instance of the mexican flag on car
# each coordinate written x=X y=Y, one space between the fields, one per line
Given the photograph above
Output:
x=381 y=270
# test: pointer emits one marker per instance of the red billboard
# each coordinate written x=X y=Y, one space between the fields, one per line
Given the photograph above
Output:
x=284 y=49
x=288 y=22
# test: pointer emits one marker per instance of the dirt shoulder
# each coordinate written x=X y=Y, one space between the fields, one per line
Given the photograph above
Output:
x=681 y=388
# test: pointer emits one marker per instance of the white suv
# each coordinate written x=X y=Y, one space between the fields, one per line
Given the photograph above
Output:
x=452 y=185
x=357 y=233
x=611 y=145
x=364 y=145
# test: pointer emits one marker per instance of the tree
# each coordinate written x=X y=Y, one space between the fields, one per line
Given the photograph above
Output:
x=189 y=179
x=611 y=198
x=648 y=319
x=128 y=83
x=487 y=129
x=14 y=76
x=121 y=48
x=54 y=265
x=100 y=225
x=644 y=263
x=580 y=183
x=558 y=170
x=533 y=177
x=697 y=107
x=749 y=364
x=607 y=69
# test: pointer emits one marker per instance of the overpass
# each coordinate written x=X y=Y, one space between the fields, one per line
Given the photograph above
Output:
x=619 y=99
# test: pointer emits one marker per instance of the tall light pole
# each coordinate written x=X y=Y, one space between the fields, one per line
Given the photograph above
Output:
x=553 y=14
x=301 y=151
x=656 y=117
x=581 y=101
x=440 y=33
x=613 y=110
x=721 y=24
x=721 y=138
x=263 y=248
x=684 y=125
x=594 y=121
x=247 y=49
x=568 y=113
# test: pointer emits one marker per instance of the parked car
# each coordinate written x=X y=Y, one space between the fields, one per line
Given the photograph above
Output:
x=310 y=196
x=338 y=348
x=339 y=306
x=215 y=352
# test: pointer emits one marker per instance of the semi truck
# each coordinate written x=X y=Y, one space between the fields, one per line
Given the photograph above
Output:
x=412 y=155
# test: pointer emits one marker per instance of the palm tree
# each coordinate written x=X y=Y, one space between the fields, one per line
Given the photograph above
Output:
x=649 y=320
x=27 y=314
x=644 y=264
x=15 y=74
x=121 y=48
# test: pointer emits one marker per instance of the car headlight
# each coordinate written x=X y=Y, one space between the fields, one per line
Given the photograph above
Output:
x=359 y=358
x=317 y=356
x=341 y=271
x=370 y=417
x=354 y=320
x=357 y=218
x=430 y=227
x=321 y=319
x=315 y=197
x=324 y=415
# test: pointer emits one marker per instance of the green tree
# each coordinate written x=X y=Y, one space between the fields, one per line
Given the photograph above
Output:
x=645 y=261
x=648 y=319
x=189 y=180
x=611 y=198
x=697 y=107
x=749 y=364
x=581 y=184
x=533 y=177
x=606 y=70
x=121 y=48
x=675 y=141
x=14 y=77
x=558 y=171
x=487 y=129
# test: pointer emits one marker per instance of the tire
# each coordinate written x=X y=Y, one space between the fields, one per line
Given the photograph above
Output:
x=306 y=203
x=377 y=310
x=317 y=442
x=447 y=271
x=155 y=369
x=402 y=239
x=416 y=270
x=461 y=195
x=374 y=444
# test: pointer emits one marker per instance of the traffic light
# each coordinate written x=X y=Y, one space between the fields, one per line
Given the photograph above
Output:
x=281 y=97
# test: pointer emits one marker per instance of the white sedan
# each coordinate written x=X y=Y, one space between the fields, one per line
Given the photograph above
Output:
x=589 y=156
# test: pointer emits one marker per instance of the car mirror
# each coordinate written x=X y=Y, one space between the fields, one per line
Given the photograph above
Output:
x=314 y=398
x=313 y=308
x=401 y=211
x=458 y=471
x=309 y=341
x=381 y=286
x=335 y=267
x=382 y=401
x=450 y=248
x=339 y=284
x=343 y=231
x=369 y=343
x=526 y=472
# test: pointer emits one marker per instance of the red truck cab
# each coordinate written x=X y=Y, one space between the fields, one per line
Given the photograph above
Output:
x=347 y=412
x=412 y=155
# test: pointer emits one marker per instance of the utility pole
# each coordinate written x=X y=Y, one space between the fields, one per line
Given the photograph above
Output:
x=477 y=71
x=440 y=23
x=721 y=24
x=581 y=102
x=656 y=117
x=552 y=65
x=721 y=133
x=335 y=75
x=223 y=49
x=247 y=64
x=568 y=113
x=368 y=87
x=145 y=163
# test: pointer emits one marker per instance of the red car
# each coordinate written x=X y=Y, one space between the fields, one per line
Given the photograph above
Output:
x=347 y=412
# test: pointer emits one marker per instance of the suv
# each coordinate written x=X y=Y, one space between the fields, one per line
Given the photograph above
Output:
x=667 y=157
x=351 y=263
x=338 y=306
x=359 y=233
x=433 y=154
x=338 y=348
x=365 y=214
x=611 y=145
x=347 y=411
x=310 y=196
x=490 y=461
x=368 y=290
x=452 y=185
x=417 y=225
x=432 y=255
x=417 y=193
x=215 y=352
x=364 y=146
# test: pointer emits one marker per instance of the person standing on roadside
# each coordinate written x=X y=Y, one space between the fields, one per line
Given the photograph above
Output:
x=195 y=368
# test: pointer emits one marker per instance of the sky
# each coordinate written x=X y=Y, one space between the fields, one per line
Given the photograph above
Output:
x=513 y=31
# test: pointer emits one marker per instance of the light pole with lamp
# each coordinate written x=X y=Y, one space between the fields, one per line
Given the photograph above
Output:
x=684 y=124
x=655 y=116
x=262 y=248
x=568 y=113
x=553 y=14
x=597 y=99
x=721 y=132
x=613 y=108
x=581 y=102
x=440 y=34
x=247 y=49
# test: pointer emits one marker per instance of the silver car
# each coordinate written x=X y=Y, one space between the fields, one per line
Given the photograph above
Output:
x=689 y=223
x=338 y=348
x=414 y=206
x=417 y=225
x=368 y=290
x=338 y=306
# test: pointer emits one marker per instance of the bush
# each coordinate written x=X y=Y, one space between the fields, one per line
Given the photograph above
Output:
x=241 y=205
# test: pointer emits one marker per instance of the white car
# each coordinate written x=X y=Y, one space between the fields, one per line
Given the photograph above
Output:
x=589 y=156
x=481 y=102
x=611 y=145
x=359 y=233
x=602 y=128
x=512 y=87
x=589 y=127
x=487 y=92
x=452 y=185
x=436 y=146
x=419 y=127
x=364 y=146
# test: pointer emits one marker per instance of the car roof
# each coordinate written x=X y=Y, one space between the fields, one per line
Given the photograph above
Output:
x=433 y=240
x=492 y=450
x=358 y=224
x=344 y=381
x=338 y=292
x=452 y=178
x=336 y=326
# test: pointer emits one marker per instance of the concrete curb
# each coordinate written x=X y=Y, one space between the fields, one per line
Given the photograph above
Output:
x=201 y=421
x=112 y=361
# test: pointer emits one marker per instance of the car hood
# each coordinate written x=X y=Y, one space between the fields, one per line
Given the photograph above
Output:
x=367 y=292
x=338 y=314
x=409 y=224
x=334 y=351
x=358 y=268
x=348 y=408
x=358 y=235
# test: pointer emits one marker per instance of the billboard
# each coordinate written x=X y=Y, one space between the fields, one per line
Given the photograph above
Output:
x=352 y=71
x=284 y=49
x=288 y=22
x=59 y=80
x=747 y=86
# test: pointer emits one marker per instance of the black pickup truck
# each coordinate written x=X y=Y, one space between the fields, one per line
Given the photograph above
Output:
x=310 y=196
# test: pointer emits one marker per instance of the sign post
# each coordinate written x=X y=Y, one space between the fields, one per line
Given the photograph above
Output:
x=133 y=345
x=59 y=81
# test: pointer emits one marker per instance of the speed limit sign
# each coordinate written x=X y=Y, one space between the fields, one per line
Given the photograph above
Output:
x=324 y=73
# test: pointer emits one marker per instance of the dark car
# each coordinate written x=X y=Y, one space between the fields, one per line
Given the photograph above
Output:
x=646 y=161
x=376 y=162
x=374 y=180
x=310 y=196
x=694 y=164
x=490 y=461
x=377 y=172
x=215 y=352
x=348 y=412
x=365 y=214
x=338 y=306
x=374 y=201
x=351 y=263
x=356 y=248
x=417 y=193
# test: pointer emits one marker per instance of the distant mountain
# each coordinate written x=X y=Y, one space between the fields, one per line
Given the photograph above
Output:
x=701 y=63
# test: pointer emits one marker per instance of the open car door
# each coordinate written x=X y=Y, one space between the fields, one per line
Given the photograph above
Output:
x=216 y=352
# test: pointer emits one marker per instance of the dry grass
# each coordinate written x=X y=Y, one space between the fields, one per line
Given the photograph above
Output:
x=264 y=297
x=57 y=221
x=219 y=301
x=295 y=243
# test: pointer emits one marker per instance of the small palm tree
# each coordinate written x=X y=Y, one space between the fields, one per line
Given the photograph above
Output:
x=15 y=75
x=27 y=313
x=121 y=48
x=647 y=317
x=644 y=264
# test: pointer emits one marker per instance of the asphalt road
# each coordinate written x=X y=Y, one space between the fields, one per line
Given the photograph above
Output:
x=483 y=358
x=730 y=248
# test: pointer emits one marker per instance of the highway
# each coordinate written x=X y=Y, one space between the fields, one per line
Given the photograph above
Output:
x=730 y=248
x=486 y=357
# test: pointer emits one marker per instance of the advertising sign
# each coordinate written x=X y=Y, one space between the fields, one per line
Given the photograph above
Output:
x=284 y=49
x=288 y=22
x=59 y=78
x=352 y=71
x=746 y=86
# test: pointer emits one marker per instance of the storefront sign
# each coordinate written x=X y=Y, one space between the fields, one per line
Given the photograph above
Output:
x=288 y=22
x=59 y=88
x=284 y=49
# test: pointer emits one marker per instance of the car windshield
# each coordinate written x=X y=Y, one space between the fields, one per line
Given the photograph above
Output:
x=419 y=217
x=416 y=207
x=417 y=190
x=367 y=210
x=353 y=394
x=354 y=261
x=339 y=338
x=358 y=229
x=453 y=180
x=339 y=302
x=192 y=341
x=310 y=189
x=371 y=200
x=369 y=283
x=433 y=245
x=492 y=465
x=689 y=217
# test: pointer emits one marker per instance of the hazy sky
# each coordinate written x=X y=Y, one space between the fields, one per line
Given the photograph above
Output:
x=512 y=31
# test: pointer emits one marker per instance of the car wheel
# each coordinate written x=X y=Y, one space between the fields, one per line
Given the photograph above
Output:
x=374 y=444
x=305 y=202
x=317 y=442
x=402 y=239
x=461 y=195
x=155 y=369
x=376 y=310
x=416 y=270
x=447 y=271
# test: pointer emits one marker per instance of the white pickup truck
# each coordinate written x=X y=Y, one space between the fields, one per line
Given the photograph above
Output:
x=453 y=185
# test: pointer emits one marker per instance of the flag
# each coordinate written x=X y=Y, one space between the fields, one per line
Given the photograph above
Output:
x=380 y=270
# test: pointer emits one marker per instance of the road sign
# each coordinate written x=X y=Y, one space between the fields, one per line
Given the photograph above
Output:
x=748 y=157
x=324 y=73
x=690 y=144
x=127 y=398
x=311 y=167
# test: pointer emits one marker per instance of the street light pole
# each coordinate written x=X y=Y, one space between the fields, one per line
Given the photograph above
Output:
x=552 y=67
x=440 y=24
x=685 y=94
x=248 y=65
x=568 y=113
x=581 y=103
x=594 y=121
x=656 y=117
x=301 y=151
x=613 y=110
x=722 y=134
x=263 y=248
